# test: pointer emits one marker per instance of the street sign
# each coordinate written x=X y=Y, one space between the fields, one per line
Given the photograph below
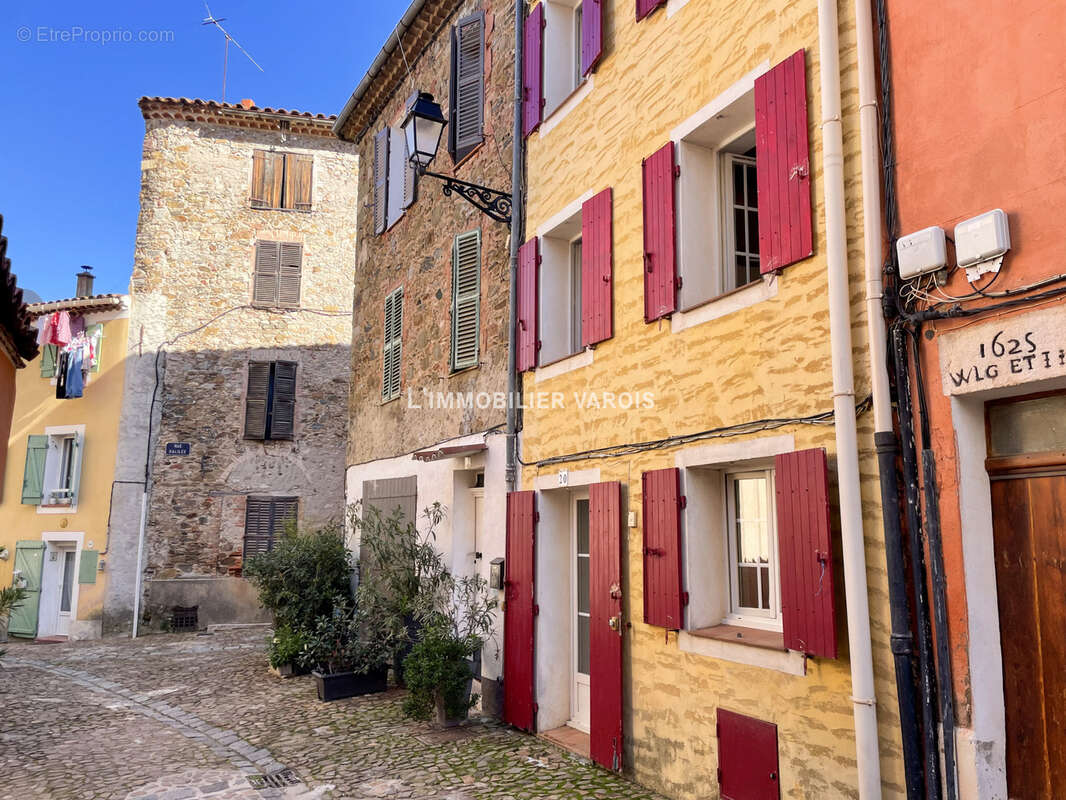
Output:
x=178 y=448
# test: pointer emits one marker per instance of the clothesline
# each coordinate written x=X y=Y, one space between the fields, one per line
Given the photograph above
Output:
x=77 y=350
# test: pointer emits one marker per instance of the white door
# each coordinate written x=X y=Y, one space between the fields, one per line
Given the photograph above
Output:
x=58 y=589
x=580 y=698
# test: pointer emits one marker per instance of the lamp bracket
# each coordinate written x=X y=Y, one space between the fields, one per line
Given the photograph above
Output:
x=494 y=203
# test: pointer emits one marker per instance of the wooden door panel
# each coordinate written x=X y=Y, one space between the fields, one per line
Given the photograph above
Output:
x=605 y=605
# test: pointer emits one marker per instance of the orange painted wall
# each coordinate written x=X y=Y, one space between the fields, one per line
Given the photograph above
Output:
x=980 y=121
x=7 y=407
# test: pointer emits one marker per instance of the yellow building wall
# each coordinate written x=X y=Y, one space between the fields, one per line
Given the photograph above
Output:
x=769 y=360
x=37 y=408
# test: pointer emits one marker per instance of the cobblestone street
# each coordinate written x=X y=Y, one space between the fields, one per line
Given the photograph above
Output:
x=186 y=716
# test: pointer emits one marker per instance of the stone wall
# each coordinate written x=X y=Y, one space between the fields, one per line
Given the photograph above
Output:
x=416 y=253
x=193 y=332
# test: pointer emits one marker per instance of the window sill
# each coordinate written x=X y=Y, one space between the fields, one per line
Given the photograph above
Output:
x=568 y=104
x=286 y=210
x=463 y=370
x=57 y=509
x=755 y=651
x=390 y=400
x=563 y=365
x=724 y=304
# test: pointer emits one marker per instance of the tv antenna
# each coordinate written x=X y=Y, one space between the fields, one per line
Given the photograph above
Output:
x=212 y=20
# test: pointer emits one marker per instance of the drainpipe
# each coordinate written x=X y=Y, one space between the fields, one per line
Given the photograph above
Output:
x=852 y=538
x=902 y=640
x=517 y=153
x=140 y=556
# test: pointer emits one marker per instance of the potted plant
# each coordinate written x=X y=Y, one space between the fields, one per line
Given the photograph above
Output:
x=457 y=620
x=10 y=598
x=284 y=651
x=348 y=653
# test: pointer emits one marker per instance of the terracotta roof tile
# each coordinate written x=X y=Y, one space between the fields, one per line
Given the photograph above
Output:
x=195 y=102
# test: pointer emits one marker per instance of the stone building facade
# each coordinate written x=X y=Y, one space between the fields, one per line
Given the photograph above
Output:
x=239 y=348
x=435 y=433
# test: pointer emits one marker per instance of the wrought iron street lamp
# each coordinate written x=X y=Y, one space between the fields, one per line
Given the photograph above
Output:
x=422 y=128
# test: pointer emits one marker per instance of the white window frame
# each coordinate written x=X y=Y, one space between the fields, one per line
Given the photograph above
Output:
x=562 y=52
x=559 y=300
x=58 y=435
x=729 y=228
x=743 y=616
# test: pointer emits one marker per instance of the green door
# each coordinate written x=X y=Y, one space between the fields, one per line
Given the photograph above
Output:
x=29 y=562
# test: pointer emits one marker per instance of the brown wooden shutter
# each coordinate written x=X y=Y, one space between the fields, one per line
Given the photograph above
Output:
x=298 y=169
x=526 y=335
x=381 y=180
x=273 y=179
x=660 y=259
x=255 y=404
x=470 y=83
x=289 y=272
x=783 y=165
x=805 y=550
x=260 y=192
x=265 y=276
x=661 y=498
x=264 y=520
x=283 y=405
x=597 y=313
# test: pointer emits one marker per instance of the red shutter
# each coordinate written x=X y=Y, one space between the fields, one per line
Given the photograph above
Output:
x=660 y=262
x=645 y=7
x=591 y=34
x=805 y=552
x=533 y=71
x=747 y=758
x=526 y=335
x=784 y=165
x=596 y=270
x=519 y=611
x=662 y=547
x=605 y=640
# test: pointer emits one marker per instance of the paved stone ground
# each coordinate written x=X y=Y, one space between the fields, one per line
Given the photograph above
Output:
x=170 y=717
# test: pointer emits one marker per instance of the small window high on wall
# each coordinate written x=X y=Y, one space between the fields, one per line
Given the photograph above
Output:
x=560 y=291
x=563 y=71
x=281 y=180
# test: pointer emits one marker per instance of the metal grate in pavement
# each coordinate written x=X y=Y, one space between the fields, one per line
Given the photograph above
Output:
x=275 y=780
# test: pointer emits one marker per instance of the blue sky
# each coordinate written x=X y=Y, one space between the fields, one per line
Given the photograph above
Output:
x=70 y=139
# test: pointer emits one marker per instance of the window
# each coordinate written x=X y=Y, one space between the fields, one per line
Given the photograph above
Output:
x=264 y=520
x=752 y=541
x=741 y=223
x=394 y=178
x=560 y=291
x=563 y=71
x=466 y=299
x=53 y=468
x=270 y=404
x=281 y=180
x=467 y=87
x=392 y=346
x=278 y=266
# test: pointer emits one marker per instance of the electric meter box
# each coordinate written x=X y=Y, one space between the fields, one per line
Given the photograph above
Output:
x=921 y=252
x=982 y=238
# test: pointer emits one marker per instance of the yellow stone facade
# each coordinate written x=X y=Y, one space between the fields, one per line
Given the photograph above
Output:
x=37 y=409
x=770 y=359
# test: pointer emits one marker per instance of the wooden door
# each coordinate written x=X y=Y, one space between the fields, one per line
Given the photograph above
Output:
x=606 y=623
x=519 y=610
x=1029 y=530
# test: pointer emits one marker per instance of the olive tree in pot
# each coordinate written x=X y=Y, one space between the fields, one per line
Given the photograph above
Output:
x=457 y=616
x=348 y=652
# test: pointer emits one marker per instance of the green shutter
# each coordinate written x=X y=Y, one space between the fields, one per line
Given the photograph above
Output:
x=393 y=345
x=49 y=356
x=466 y=299
x=87 y=566
x=79 y=459
x=90 y=331
x=29 y=563
x=33 y=477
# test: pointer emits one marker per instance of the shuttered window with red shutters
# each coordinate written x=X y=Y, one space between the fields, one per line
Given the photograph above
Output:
x=662 y=502
x=591 y=34
x=645 y=7
x=526 y=335
x=805 y=550
x=783 y=164
x=660 y=246
x=533 y=71
x=597 y=278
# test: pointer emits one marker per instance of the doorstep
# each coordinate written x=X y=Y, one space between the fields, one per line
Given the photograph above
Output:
x=569 y=739
x=49 y=640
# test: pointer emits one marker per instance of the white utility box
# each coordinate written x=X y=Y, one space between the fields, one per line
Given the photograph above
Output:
x=982 y=238
x=921 y=252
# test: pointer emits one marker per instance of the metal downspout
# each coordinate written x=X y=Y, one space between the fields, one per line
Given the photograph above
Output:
x=517 y=212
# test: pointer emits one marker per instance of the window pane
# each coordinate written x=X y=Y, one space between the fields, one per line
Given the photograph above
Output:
x=753 y=232
x=68 y=580
x=1028 y=426
x=575 y=294
x=583 y=584
x=764 y=573
x=738 y=183
x=748 y=587
x=583 y=645
x=752 y=195
x=582 y=511
x=753 y=540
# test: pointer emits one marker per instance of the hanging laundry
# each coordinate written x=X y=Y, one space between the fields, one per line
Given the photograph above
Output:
x=75 y=381
x=77 y=326
x=61 y=376
x=43 y=330
x=59 y=329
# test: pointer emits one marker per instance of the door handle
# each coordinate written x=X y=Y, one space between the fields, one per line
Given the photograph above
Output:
x=615 y=624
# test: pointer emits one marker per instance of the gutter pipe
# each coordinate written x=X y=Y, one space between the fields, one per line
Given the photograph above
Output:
x=517 y=156
x=864 y=704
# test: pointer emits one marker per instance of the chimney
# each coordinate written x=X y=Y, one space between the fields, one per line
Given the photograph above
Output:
x=85 y=282
x=247 y=103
